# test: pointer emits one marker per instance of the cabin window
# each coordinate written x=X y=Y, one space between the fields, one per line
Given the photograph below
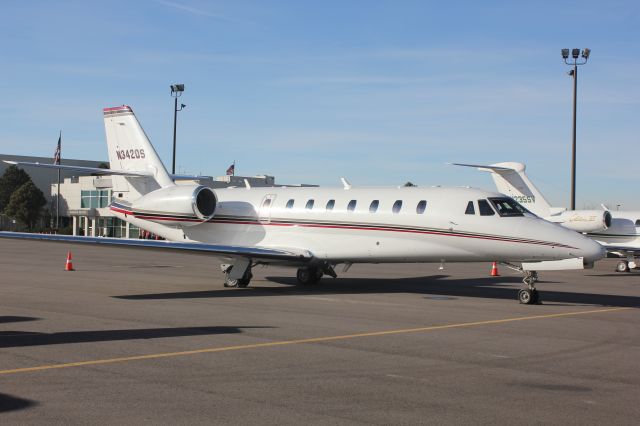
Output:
x=266 y=203
x=352 y=205
x=421 y=207
x=638 y=222
x=290 y=204
x=507 y=207
x=309 y=205
x=470 y=209
x=330 y=204
x=397 y=206
x=485 y=208
x=373 y=207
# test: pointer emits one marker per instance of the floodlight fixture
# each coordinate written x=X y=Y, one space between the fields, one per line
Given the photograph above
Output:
x=585 y=53
x=177 y=89
x=565 y=53
x=575 y=53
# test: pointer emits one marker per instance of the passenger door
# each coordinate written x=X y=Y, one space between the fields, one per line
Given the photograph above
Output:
x=264 y=214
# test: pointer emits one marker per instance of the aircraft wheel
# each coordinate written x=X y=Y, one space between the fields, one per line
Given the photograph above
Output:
x=526 y=296
x=308 y=275
x=622 y=266
x=229 y=282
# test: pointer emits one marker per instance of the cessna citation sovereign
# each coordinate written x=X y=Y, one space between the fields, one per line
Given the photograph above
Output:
x=316 y=229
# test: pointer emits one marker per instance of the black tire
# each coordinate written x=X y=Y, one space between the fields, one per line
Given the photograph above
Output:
x=622 y=266
x=308 y=276
x=525 y=296
x=244 y=282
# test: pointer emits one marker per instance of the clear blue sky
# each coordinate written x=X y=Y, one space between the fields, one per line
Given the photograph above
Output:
x=381 y=92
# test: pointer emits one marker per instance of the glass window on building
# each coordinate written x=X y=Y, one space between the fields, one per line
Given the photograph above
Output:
x=134 y=231
x=82 y=222
x=115 y=228
x=104 y=196
x=95 y=199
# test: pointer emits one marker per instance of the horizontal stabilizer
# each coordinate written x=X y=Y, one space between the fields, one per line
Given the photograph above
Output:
x=495 y=168
x=92 y=170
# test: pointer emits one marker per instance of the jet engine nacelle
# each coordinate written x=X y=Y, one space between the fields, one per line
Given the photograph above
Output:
x=182 y=205
x=583 y=220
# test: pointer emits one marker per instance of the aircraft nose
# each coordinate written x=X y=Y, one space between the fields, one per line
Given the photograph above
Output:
x=591 y=250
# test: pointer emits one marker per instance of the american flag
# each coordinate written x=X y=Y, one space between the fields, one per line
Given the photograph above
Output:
x=231 y=170
x=56 y=155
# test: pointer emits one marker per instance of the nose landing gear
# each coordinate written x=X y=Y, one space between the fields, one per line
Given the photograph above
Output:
x=529 y=295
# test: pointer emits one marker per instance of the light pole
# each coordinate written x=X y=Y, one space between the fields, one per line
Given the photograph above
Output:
x=176 y=92
x=575 y=55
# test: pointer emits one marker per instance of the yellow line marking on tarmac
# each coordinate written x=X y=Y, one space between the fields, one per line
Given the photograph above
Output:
x=301 y=341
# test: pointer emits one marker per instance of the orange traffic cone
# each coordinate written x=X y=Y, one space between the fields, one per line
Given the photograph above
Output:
x=494 y=270
x=69 y=265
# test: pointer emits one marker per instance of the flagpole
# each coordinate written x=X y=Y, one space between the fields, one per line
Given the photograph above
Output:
x=234 y=168
x=58 y=195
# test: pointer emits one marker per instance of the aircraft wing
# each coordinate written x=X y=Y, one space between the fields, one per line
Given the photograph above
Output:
x=621 y=250
x=258 y=253
x=94 y=170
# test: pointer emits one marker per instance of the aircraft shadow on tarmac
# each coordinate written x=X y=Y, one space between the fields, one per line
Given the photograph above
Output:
x=9 y=318
x=12 y=403
x=10 y=339
x=429 y=286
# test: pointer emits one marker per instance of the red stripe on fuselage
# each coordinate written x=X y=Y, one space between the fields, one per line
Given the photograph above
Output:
x=352 y=227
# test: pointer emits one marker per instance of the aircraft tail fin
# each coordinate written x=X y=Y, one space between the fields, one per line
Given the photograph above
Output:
x=131 y=151
x=510 y=179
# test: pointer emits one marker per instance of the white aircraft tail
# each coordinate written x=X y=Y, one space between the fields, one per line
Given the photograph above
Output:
x=131 y=151
x=510 y=179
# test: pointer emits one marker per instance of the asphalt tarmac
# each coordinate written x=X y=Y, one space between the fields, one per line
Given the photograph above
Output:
x=139 y=337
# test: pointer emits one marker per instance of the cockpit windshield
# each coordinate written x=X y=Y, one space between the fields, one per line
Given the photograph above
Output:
x=507 y=207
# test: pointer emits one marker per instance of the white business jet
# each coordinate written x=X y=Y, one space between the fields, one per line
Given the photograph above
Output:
x=617 y=231
x=316 y=229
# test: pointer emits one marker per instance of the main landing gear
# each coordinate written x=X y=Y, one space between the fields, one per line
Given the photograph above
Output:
x=626 y=265
x=529 y=295
x=309 y=275
x=238 y=282
x=238 y=275
x=231 y=279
